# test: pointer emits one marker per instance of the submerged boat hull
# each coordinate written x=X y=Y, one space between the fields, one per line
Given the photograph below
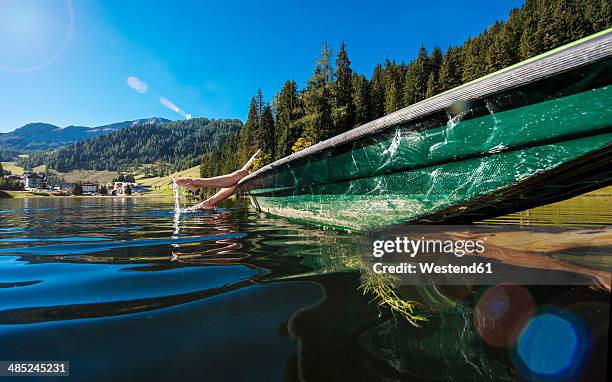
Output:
x=465 y=158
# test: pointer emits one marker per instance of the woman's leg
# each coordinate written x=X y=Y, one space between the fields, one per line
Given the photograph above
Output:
x=221 y=181
x=226 y=180
x=222 y=194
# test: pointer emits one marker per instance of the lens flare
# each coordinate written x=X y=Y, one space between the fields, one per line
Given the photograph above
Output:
x=552 y=345
x=174 y=108
x=169 y=104
x=138 y=85
x=501 y=313
x=33 y=48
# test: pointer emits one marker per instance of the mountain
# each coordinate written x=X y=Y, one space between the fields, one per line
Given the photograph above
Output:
x=180 y=144
x=44 y=136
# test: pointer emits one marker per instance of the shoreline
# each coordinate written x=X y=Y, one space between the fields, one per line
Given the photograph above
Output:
x=31 y=195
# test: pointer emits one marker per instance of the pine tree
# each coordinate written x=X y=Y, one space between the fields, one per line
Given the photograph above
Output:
x=286 y=105
x=501 y=52
x=377 y=93
x=421 y=69
x=470 y=58
x=361 y=99
x=267 y=132
x=435 y=62
x=399 y=74
x=77 y=189
x=409 y=94
x=552 y=29
x=432 y=85
x=451 y=69
x=248 y=134
x=318 y=100
x=343 y=107
x=260 y=105
x=604 y=18
x=581 y=24
x=530 y=43
x=392 y=93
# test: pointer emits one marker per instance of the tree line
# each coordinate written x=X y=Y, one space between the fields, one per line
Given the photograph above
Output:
x=124 y=178
x=336 y=98
x=9 y=184
x=180 y=142
x=7 y=155
x=77 y=189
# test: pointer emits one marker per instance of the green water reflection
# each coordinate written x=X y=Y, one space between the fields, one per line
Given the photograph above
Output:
x=593 y=208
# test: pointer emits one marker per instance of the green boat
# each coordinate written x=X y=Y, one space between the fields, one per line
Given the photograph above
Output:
x=537 y=132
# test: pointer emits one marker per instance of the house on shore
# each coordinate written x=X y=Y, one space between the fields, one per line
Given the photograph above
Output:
x=140 y=189
x=59 y=186
x=120 y=187
x=34 y=181
x=90 y=187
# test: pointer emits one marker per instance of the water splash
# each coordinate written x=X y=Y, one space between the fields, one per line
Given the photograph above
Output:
x=177 y=209
x=395 y=142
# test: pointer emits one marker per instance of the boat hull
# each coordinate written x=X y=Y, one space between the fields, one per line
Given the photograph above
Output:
x=444 y=194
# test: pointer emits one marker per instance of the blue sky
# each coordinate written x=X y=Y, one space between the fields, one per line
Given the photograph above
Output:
x=67 y=62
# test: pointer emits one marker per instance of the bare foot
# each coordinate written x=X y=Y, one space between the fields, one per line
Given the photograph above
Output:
x=246 y=169
x=250 y=162
x=201 y=206
x=185 y=182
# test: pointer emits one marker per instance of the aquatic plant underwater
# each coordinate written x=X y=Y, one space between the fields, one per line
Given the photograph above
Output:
x=383 y=288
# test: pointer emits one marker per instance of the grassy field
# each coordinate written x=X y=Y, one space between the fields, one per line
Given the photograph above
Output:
x=12 y=167
x=88 y=175
x=70 y=177
x=22 y=194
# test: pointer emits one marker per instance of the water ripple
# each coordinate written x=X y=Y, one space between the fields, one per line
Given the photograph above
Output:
x=75 y=249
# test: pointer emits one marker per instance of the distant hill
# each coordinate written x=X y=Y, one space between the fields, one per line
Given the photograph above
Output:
x=44 y=136
x=179 y=143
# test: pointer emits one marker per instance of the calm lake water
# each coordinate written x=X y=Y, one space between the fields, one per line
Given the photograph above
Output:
x=124 y=291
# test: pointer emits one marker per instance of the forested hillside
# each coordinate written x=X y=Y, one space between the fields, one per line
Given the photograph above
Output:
x=336 y=99
x=180 y=143
x=7 y=155
x=44 y=136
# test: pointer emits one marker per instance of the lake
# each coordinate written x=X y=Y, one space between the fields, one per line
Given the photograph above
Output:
x=124 y=290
